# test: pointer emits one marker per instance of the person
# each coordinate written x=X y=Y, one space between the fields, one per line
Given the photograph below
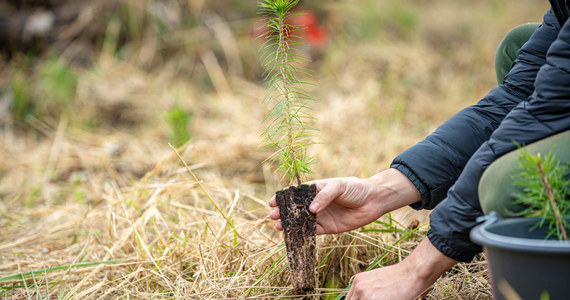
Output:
x=443 y=171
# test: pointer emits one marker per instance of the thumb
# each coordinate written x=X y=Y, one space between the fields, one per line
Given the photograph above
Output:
x=327 y=194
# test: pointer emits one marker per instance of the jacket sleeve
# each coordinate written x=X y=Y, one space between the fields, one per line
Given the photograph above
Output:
x=546 y=113
x=434 y=164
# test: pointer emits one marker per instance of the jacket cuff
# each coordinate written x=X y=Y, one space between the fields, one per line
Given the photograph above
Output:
x=462 y=255
x=424 y=192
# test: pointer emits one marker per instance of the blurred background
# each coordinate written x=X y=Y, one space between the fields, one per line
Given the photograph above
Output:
x=92 y=92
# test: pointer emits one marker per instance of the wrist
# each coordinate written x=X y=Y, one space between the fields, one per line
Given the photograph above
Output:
x=392 y=190
x=428 y=262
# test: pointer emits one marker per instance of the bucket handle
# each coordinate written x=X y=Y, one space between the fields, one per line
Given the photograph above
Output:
x=489 y=219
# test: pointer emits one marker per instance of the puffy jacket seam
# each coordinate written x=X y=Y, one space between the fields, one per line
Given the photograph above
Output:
x=507 y=87
x=561 y=68
x=446 y=146
x=491 y=121
x=540 y=121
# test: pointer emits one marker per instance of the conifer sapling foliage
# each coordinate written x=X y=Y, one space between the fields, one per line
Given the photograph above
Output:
x=290 y=127
x=545 y=192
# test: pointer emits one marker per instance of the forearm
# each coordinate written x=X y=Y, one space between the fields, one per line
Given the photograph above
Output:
x=391 y=189
x=427 y=263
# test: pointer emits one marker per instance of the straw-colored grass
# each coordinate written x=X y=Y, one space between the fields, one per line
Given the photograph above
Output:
x=95 y=204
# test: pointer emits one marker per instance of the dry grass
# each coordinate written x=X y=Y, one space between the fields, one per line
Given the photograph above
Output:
x=95 y=204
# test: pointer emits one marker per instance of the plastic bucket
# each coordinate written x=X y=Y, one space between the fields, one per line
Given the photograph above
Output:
x=521 y=261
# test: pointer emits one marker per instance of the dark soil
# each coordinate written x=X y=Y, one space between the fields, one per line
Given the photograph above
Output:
x=299 y=228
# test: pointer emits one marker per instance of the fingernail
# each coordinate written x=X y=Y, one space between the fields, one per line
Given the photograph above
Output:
x=314 y=207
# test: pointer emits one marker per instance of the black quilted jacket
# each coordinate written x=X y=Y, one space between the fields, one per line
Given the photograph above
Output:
x=532 y=103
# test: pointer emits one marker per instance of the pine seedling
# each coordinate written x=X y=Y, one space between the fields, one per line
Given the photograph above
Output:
x=178 y=120
x=545 y=192
x=290 y=130
x=290 y=127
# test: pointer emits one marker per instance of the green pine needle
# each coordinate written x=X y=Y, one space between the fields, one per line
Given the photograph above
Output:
x=290 y=127
x=545 y=192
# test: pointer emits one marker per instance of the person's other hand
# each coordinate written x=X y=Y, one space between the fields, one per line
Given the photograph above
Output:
x=344 y=204
x=405 y=280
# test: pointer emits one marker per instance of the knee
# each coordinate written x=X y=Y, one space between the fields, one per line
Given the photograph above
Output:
x=508 y=48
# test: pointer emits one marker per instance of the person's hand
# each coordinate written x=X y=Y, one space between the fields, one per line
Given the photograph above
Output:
x=405 y=280
x=391 y=282
x=344 y=204
x=341 y=204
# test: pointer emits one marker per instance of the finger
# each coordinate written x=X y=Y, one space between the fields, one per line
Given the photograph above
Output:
x=323 y=198
x=274 y=214
x=319 y=183
x=273 y=202
x=279 y=226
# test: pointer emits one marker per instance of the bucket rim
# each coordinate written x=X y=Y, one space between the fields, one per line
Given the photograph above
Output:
x=482 y=236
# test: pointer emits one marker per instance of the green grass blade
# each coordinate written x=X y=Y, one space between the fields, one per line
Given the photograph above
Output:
x=27 y=275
